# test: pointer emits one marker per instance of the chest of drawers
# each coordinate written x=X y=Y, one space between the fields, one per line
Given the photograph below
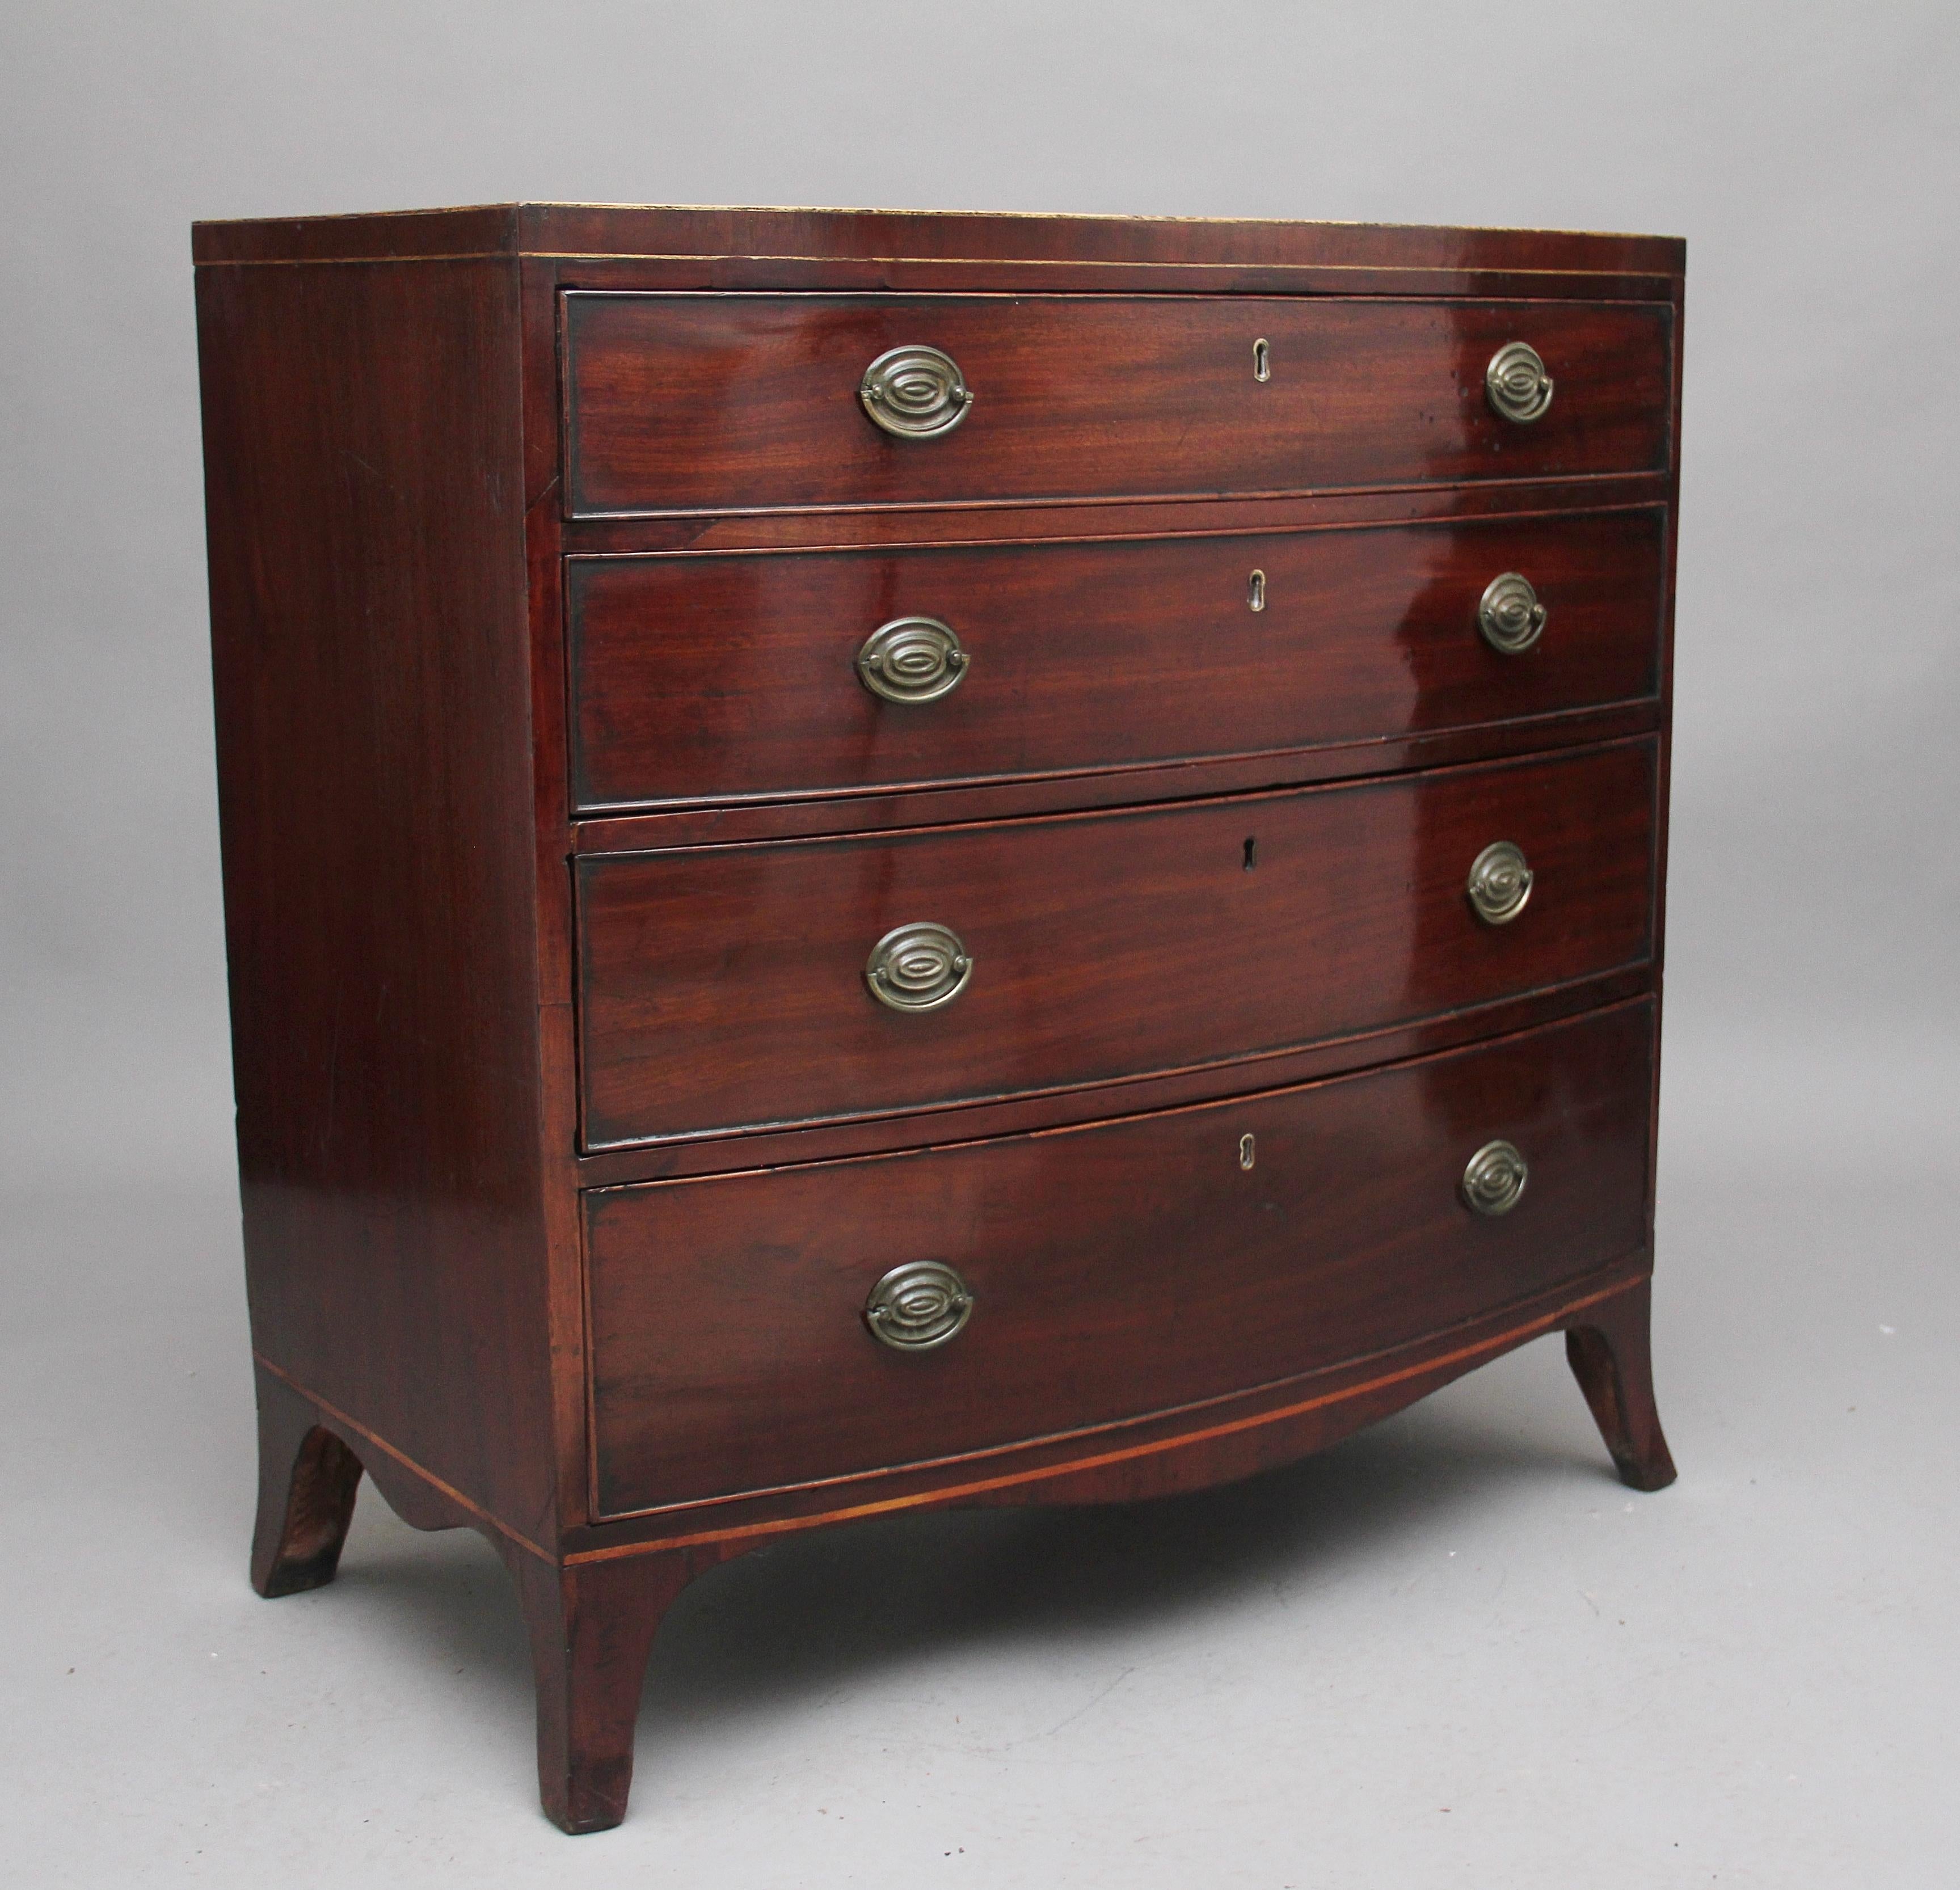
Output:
x=876 y=861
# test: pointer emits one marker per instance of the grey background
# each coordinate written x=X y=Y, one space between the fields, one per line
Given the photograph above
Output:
x=1452 y=1651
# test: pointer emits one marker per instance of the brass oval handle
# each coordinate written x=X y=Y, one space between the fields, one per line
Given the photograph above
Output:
x=1500 y=883
x=917 y=1306
x=1515 y=380
x=1494 y=1182
x=918 y=967
x=1509 y=614
x=911 y=659
x=915 y=392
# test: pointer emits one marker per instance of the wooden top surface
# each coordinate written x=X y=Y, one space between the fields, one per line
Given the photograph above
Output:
x=595 y=231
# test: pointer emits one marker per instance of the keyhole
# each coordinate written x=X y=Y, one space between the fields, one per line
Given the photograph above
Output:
x=1262 y=366
x=1245 y=1151
x=1251 y=852
x=1255 y=590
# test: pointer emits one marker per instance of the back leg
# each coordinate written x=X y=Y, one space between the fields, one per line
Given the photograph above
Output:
x=307 y=1478
x=1611 y=1357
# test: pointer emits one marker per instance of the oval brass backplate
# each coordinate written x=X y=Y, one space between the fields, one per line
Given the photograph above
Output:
x=911 y=659
x=915 y=392
x=917 y=967
x=918 y=1306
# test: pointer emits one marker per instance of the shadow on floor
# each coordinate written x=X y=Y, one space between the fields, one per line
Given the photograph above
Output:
x=794 y=1622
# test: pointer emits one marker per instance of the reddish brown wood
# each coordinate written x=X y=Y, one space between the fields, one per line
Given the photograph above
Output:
x=563 y=1261
x=1096 y=521
x=723 y=987
x=1135 y=1095
x=390 y=550
x=1611 y=1355
x=656 y=232
x=707 y=679
x=917 y=276
x=307 y=1481
x=369 y=640
x=703 y=403
x=478 y=230
x=592 y=1629
x=962 y=804
x=714 y=1302
x=1257 y=1431
x=1212 y=1442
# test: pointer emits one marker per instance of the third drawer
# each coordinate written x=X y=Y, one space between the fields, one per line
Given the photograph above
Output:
x=728 y=989
x=705 y=677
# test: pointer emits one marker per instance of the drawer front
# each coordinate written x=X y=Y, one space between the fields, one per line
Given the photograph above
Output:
x=726 y=987
x=712 y=677
x=719 y=402
x=1114 y=1270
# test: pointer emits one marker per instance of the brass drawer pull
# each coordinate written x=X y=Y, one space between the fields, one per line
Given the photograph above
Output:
x=917 y=967
x=1500 y=883
x=1520 y=388
x=1494 y=1183
x=911 y=659
x=917 y=1306
x=1509 y=614
x=915 y=393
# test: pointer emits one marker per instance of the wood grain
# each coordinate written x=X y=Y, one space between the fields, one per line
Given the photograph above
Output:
x=705 y=678
x=369 y=643
x=1115 y=1269
x=703 y=403
x=725 y=987
x=1208 y=894
x=644 y=234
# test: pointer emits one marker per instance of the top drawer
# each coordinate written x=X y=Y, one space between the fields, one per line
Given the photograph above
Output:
x=708 y=402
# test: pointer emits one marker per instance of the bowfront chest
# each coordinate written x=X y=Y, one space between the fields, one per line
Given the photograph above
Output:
x=875 y=860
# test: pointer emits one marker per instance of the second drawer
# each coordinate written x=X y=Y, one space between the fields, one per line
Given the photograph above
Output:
x=708 y=677
x=723 y=988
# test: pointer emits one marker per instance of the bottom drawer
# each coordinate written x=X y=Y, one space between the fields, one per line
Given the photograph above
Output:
x=1115 y=1269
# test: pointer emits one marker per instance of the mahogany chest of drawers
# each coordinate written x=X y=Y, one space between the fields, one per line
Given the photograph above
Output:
x=875 y=860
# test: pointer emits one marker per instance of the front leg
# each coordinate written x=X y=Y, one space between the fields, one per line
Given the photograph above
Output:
x=1610 y=1355
x=592 y=1627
